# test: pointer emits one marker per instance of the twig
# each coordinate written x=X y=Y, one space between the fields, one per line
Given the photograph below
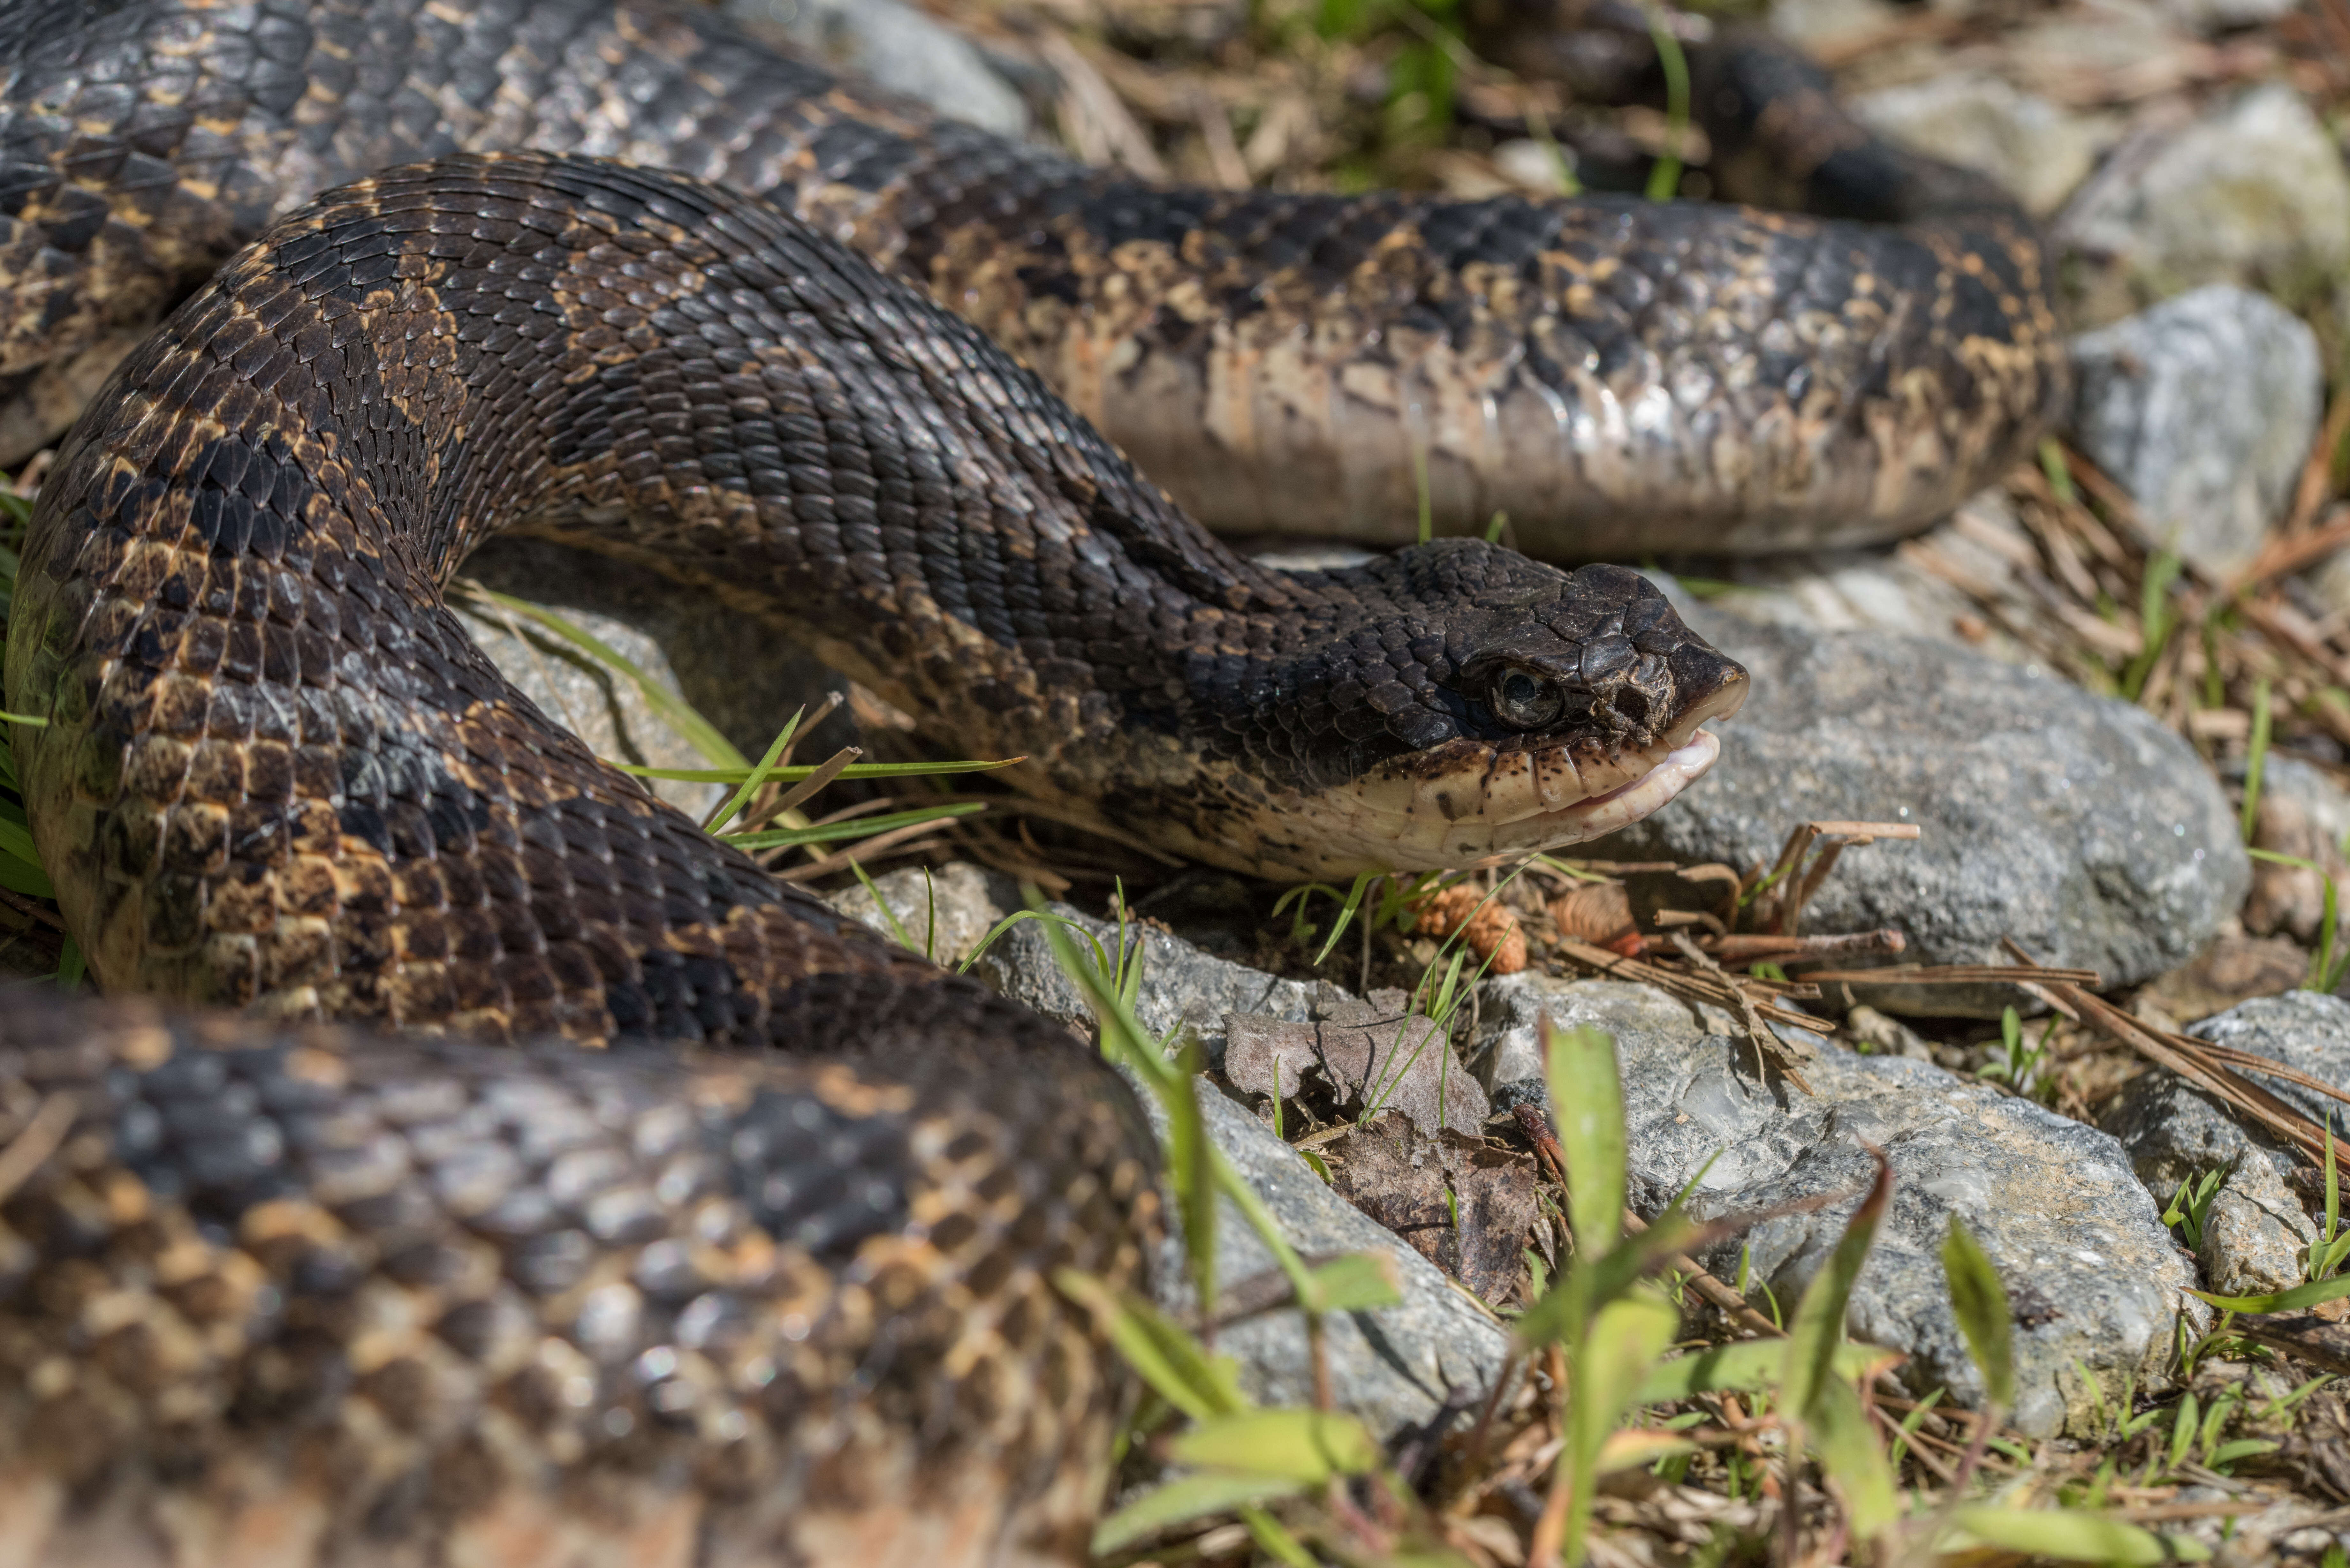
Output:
x=32 y=910
x=1780 y=950
x=1768 y=1047
x=38 y=1141
x=1686 y=985
x=2190 y=1060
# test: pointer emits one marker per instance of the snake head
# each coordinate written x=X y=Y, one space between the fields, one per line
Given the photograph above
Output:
x=1471 y=703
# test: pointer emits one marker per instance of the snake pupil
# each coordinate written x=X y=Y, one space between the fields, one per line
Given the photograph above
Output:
x=1525 y=700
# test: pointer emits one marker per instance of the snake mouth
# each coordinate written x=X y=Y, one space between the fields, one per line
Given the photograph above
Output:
x=1468 y=802
x=1627 y=803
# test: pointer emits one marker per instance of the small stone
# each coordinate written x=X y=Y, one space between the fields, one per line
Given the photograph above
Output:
x=1981 y=121
x=2253 y=192
x=2076 y=824
x=1886 y=1037
x=1543 y=167
x=2234 y=968
x=605 y=709
x=895 y=46
x=2256 y=1238
x=2054 y=1203
x=949 y=909
x=1181 y=986
x=1396 y=1368
x=2203 y=408
x=2302 y=813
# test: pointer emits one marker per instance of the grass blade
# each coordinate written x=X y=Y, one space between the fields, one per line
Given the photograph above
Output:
x=1305 y=1445
x=674 y=710
x=2071 y=1535
x=1981 y=1304
x=1818 y=1327
x=1182 y=1501
x=854 y=828
x=1586 y=1103
x=1178 y=1368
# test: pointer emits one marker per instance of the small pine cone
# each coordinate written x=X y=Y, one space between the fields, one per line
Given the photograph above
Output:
x=1599 y=913
x=1492 y=932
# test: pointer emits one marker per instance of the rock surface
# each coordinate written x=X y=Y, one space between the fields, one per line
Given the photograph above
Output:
x=946 y=912
x=2090 y=1271
x=2301 y=813
x=2253 y=1239
x=605 y=709
x=1394 y=1367
x=2253 y=191
x=1981 y=121
x=2203 y=408
x=1397 y=1367
x=742 y=675
x=2075 y=824
x=896 y=47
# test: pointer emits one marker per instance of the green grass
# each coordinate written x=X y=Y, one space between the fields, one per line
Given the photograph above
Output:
x=1622 y=1395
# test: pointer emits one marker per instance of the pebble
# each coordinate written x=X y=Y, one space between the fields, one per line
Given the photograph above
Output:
x=2302 y=813
x=2093 y=1276
x=1397 y=1367
x=2204 y=408
x=2256 y=1238
x=2251 y=191
x=896 y=47
x=1982 y=122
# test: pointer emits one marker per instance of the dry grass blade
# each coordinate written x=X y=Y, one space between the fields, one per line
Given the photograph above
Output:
x=1954 y=974
x=1781 y=895
x=40 y=1140
x=2190 y=1059
x=2323 y=1344
x=1690 y=986
x=1767 y=1046
x=1093 y=117
x=1801 y=949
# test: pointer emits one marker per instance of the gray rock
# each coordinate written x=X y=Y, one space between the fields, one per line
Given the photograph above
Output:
x=1180 y=984
x=2092 y=1272
x=1981 y=121
x=2302 y=813
x=899 y=47
x=2204 y=408
x=2075 y=824
x=1373 y=1055
x=2253 y=191
x=2175 y=1133
x=586 y=697
x=1887 y=587
x=947 y=910
x=1396 y=1368
x=745 y=677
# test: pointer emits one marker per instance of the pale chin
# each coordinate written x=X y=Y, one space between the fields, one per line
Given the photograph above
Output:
x=1621 y=807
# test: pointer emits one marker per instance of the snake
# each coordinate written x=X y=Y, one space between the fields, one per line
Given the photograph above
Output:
x=322 y=1243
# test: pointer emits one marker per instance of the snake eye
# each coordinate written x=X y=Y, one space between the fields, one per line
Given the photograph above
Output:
x=1522 y=699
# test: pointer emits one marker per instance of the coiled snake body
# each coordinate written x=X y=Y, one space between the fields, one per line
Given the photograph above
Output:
x=281 y=1292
